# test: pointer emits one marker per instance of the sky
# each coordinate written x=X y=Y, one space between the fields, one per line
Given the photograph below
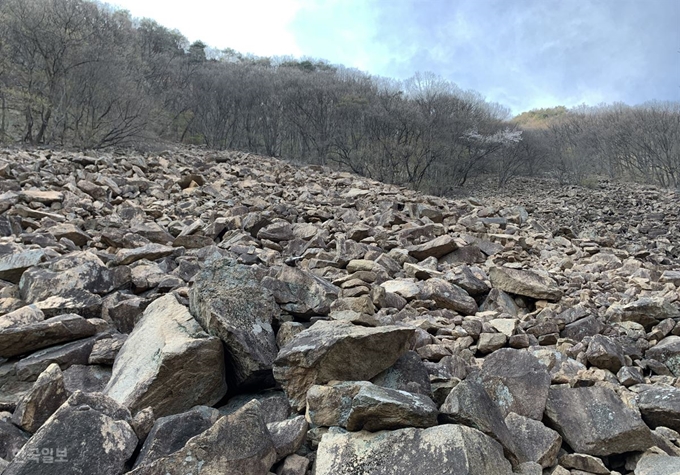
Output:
x=524 y=54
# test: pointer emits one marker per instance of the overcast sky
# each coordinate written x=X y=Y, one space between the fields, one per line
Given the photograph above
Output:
x=522 y=53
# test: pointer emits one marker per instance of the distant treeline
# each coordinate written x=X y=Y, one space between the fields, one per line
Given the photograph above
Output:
x=82 y=74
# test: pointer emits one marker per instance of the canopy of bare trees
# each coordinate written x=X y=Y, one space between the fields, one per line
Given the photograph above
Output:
x=75 y=73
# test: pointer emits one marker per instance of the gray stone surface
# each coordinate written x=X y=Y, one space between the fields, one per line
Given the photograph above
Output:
x=595 y=421
x=446 y=449
x=337 y=351
x=168 y=362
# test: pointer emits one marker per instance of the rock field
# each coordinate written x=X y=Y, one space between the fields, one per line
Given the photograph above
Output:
x=199 y=312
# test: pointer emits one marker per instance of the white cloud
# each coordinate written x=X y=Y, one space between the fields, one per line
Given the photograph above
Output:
x=253 y=26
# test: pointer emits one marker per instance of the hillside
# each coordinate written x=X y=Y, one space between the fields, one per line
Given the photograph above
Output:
x=217 y=312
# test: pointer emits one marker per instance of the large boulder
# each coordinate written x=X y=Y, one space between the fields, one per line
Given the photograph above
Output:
x=170 y=433
x=16 y=340
x=517 y=382
x=524 y=282
x=12 y=266
x=77 y=271
x=230 y=304
x=45 y=397
x=595 y=421
x=446 y=449
x=168 y=362
x=361 y=405
x=647 y=311
x=469 y=404
x=667 y=351
x=447 y=295
x=301 y=293
x=337 y=351
x=236 y=444
x=537 y=442
x=660 y=406
x=90 y=434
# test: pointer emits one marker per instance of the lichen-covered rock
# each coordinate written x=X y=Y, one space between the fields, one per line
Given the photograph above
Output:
x=168 y=362
x=523 y=282
x=516 y=381
x=89 y=434
x=229 y=303
x=234 y=445
x=337 y=351
x=595 y=421
x=446 y=449
x=361 y=405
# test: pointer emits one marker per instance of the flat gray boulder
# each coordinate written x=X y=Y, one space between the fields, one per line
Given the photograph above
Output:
x=445 y=450
x=301 y=293
x=90 y=434
x=524 y=282
x=229 y=303
x=361 y=405
x=236 y=444
x=337 y=351
x=660 y=406
x=17 y=340
x=595 y=421
x=168 y=362
x=517 y=382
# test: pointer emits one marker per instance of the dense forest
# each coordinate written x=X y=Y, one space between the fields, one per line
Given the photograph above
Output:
x=82 y=74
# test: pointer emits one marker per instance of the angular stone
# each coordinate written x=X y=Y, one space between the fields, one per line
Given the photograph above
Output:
x=294 y=465
x=24 y=316
x=469 y=404
x=169 y=434
x=490 y=342
x=70 y=231
x=660 y=406
x=408 y=373
x=605 y=353
x=12 y=266
x=437 y=247
x=86 y=378
x=288 y=436
x=26 y=338
x=39 y=196
x=91 y=431
x=236 y=444
x=337 y=351
x=229 y=303
x=585 y=463
x=403 y=287
x=82 y=271
x=537 y=442
x=274 y=405
x=85 y=303
x=468 y=281
x=579 y=329
x=595 y=421
x=445 y=449
x=45 y=397
x=647 y=311
x=526 y=283
x=150 y=252
x=12 y=439
x=448 y=296
x=301 y=293
x=65 y=355
x=517 y=382
x=168 y=362
x=654 y=464
x=667 y=351
x=105 y=350
x=361 y=405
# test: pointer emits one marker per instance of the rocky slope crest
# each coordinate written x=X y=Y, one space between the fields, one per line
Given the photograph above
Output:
x=216 y=313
